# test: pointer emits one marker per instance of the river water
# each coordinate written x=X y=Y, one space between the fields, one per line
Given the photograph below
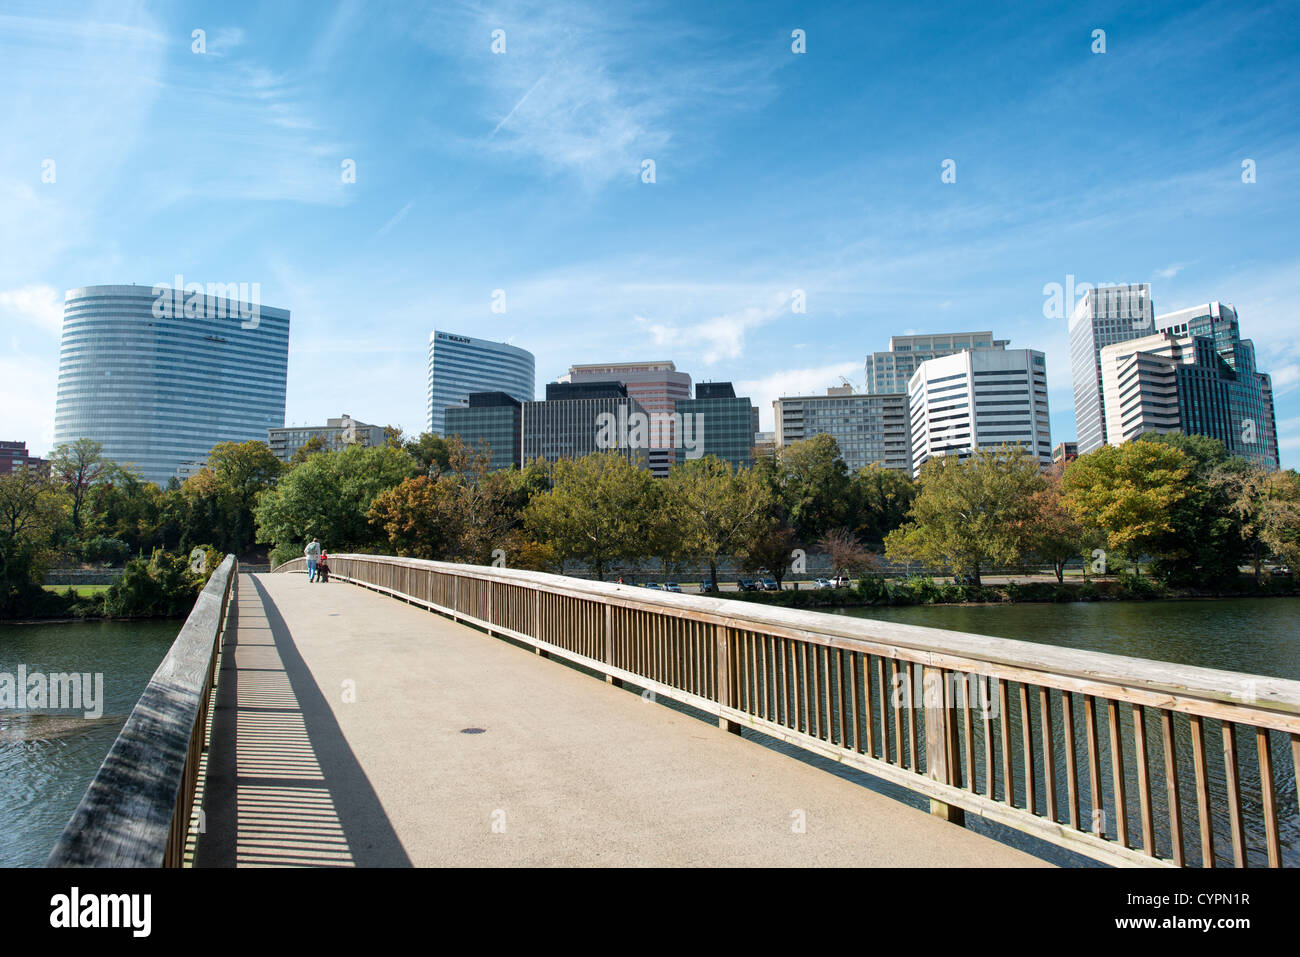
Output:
x=47 y=763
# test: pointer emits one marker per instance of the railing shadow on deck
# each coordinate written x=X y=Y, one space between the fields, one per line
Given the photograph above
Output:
x=1123 y=760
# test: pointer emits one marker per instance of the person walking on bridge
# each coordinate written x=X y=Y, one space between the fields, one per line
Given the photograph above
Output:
x=312 y=553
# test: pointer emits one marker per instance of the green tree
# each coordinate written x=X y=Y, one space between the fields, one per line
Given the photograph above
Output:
x=31 y=509
x=970 y=513
x=879 y=499
x=430 y=451
x=771 y=551
x=720 y=511
x=1130 y=493
x=313 y=446
x=1267 y=508
x=78 y=466
x=595 y=512
x=222 y=495
x=1054 y=534
x=329 y=496
x=814 y=485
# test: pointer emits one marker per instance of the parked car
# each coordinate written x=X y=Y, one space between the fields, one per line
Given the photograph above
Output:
x=839 y=582
x=747 y=584
x=822 y=583
x=673 y=587
x=769 y=584
x=654 y=586
x=963 y=579
x=707 y=587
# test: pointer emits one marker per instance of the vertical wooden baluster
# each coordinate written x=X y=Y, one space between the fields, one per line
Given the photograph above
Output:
x=1008 y=780
x=1144 y=780
x=1269 y=798
x=986 y=712
x=842 y=697
x=1027 y=742
x=854 y=678
x=1049 y=757
x=785 y=681
x=1201 y=766
x=897 y=698
x=1117 y=771
x=911 y=717
x=968 y=720
x=1232 y=778
x=1171 y=786
x=1094 y=765
x=816 y=697
x=1071 y=758
x=871 y=703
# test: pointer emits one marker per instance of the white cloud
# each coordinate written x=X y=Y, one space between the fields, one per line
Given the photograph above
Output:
x=41 y=306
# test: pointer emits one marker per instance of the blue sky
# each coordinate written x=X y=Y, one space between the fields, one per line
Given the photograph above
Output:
x=522 y=171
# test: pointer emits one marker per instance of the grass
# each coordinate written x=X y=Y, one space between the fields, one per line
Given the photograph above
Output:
x=81 y=591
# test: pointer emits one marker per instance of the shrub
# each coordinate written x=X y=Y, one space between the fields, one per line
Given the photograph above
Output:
x=104 y=550
x=162 y=587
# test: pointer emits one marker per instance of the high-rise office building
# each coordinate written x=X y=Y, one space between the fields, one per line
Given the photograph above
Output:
x=159 y=376
x=891 y=371
x=976 y=400
x=1250 y=392
x=1194 y=375
x=721 y=424
x=335 y=434
x=656 y=385
x=491 y=423
x=869 y=429
x=1104 y=316
x=459 y=365
x=574 y=420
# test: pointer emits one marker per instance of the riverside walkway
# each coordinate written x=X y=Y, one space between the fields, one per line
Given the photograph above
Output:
x=352 y=729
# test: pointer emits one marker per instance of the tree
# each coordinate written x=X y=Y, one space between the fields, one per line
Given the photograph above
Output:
x=1267 y=508
x=771 y=551
x=31 y=509
x=595 y=511
x=878 y=501
x=814 y=485
x=1130 y=493
x=78 y=466
x=429 y=450
x=313 y=446
x=970 y=513
x=849 y=557
x=223 y=494
x=329 y=496
x=1054 y=534
x=719 y=511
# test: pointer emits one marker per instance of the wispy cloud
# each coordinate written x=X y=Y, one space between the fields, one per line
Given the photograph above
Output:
x=41 y=306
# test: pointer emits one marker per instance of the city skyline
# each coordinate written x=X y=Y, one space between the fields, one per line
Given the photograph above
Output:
x=777 y=186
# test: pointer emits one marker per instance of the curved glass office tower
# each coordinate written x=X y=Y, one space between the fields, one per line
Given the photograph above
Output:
x=161 y=376
x=459 y=365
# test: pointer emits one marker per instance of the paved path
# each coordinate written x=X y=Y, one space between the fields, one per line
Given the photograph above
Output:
x=340 y=738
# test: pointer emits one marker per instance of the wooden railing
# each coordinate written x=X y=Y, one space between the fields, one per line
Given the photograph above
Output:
x=1124 y=760
x=136 y=812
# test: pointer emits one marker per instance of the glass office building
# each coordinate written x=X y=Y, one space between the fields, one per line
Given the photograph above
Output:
x=724 y=424
x=459 y=365
x=869 y=429
x=889 y=372
x=1252 y=419
x=571 y=421
x=491 y=423
x=1105 y=315
x=159 y=376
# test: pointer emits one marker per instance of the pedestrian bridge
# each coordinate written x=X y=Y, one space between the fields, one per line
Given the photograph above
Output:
x=421 y=713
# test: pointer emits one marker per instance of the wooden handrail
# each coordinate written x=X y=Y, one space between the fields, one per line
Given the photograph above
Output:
x=819 y=681
x=136 y=812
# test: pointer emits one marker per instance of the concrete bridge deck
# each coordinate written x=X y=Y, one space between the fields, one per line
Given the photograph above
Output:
x=340 y=738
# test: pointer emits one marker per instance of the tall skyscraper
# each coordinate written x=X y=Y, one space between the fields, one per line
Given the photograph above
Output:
x=1250 y=392
x=656 y=385
x=1104 y=316
x=1194 y=375
x=459 y=365
x=869 y=429
x=159 y=376
x=891 y=371
x=976 y=400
